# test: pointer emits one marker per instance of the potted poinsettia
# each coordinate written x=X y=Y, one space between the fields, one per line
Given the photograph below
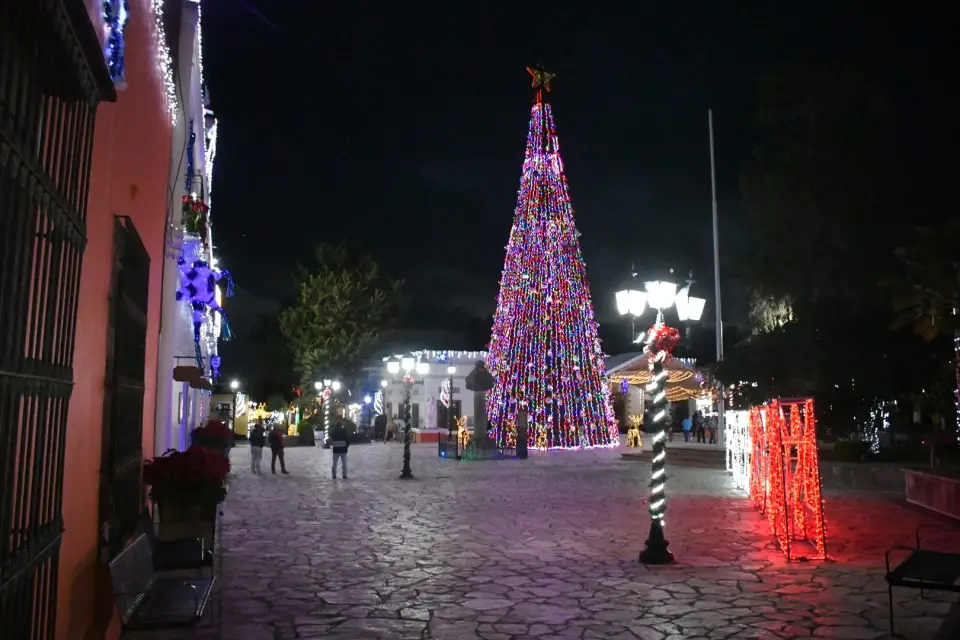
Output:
x=187 y=485
x=215 y=436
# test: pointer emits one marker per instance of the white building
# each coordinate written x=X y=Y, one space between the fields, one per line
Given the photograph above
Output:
x=429 y=397
x=186 y=366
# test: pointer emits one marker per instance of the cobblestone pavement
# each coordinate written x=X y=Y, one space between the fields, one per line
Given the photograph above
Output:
x=545 y=548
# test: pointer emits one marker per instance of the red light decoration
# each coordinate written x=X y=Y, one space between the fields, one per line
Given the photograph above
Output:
x=785 y=476
x=544 y=352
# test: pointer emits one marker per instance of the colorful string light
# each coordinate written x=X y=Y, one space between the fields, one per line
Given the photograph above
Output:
x=544 y=351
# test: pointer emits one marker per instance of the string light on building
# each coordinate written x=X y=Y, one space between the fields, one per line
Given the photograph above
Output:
x=164 y=60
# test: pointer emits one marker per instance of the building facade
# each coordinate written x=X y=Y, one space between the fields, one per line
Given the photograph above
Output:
x=54 y=90
x=187 y=364
x=85 y=193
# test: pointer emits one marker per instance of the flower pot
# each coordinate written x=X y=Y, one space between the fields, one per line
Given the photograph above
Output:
x=173 y=511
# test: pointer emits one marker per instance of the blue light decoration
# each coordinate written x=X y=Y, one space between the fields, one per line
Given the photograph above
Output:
x=624 y=386
x=115 y=16
x=215 y=367
x=199 y=289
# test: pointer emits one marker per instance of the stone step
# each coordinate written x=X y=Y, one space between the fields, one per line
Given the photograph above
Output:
x=684 y=457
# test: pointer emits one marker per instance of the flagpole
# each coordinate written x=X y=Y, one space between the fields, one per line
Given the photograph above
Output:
x=716 y=277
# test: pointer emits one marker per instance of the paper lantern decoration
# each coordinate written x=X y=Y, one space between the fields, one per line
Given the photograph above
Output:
x=198 y=288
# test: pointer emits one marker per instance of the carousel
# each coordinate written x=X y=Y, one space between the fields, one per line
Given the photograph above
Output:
x=685 y=384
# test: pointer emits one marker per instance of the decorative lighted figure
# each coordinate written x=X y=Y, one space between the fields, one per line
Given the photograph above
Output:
x=634 y=439
x=792 y=502
x=116 y=13
x=378 y=403
x=463 y=436
x=198 y=288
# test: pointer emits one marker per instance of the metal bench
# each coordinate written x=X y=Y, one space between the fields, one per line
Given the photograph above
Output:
x=148 y=601
x=923 y=569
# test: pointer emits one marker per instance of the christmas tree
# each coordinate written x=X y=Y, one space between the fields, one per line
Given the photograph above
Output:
x=544 y=352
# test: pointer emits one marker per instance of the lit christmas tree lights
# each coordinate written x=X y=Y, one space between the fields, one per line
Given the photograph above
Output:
x=544 y=351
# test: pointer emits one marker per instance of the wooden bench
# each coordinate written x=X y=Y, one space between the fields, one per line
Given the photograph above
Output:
x=148 y=601
x=923 y=569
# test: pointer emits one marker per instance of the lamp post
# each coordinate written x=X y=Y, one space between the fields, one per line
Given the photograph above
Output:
x=408 y=366
x=450 y=371
x=325 y=390
x=660 y=295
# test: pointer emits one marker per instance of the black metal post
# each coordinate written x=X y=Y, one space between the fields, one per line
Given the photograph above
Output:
x=407 y=472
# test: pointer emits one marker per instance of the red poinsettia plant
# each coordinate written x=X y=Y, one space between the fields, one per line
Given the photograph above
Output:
x=215 y=434
x=195 y=476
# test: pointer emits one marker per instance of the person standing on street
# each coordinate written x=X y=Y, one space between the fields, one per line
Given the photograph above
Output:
x=340 y=441
x=276 y=451
x=257 y=441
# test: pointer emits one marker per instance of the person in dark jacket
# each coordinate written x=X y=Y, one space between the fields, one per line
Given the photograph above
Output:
x=257 y=441
x=276 y=451
x=340 y=441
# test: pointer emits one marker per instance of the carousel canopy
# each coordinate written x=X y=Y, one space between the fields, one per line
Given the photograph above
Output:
x=683 y=380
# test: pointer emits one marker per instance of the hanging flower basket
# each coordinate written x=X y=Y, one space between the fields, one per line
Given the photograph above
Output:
x=187 y=485
x=194 y=213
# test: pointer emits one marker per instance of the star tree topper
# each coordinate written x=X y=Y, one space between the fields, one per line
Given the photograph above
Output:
x=541 y=78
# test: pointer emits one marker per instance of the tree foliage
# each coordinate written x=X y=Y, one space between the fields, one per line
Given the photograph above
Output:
x=926 y=294
x=344 y=305
x=770 y=313
x=818 y=187
x=827 y=216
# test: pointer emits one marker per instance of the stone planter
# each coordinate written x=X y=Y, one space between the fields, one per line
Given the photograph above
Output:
x=934 y=492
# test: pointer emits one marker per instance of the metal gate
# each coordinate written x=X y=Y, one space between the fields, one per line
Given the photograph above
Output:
x=52 y=77
x=121 y=498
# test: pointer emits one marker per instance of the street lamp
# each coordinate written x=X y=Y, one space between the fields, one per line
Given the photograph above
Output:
x=234 y=385
x=661 y=295
x=632 y=302
x=408 y=366
x=332 y=386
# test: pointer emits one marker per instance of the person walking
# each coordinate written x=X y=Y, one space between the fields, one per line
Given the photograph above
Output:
x=699 y=427
x=686 y=425
x=258 y=440
x=276 y=451
x=340 y=441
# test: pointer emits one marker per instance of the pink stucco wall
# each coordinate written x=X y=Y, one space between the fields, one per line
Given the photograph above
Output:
x=129 y=177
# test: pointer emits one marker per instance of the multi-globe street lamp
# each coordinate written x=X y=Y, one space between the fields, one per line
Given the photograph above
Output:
x=659 y=295
x=408 y=366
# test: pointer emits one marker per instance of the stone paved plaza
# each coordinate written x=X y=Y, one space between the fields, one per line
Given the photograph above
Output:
x=544 y=548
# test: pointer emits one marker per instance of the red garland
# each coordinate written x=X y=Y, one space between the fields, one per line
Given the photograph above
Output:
x=663 y=338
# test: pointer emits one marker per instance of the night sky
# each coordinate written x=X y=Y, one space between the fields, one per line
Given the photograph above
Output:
x=400 y=127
